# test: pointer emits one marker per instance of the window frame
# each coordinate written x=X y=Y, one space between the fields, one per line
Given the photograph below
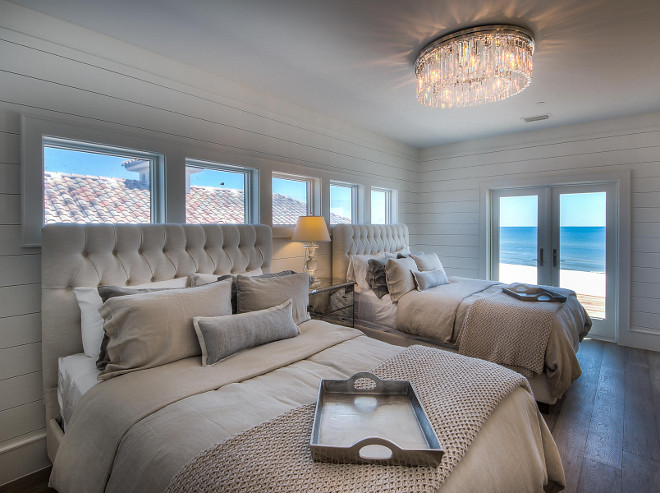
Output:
x=390 y=208
x=313 y=194
x=354 y=187
x=250 y=180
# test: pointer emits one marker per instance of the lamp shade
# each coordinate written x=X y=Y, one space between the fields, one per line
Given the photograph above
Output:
x=311 y=228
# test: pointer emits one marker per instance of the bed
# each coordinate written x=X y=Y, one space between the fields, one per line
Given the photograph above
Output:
x=143 y=430
x=435 y=317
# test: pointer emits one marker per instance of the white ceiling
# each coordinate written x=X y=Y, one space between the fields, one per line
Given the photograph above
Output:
x=353 y=59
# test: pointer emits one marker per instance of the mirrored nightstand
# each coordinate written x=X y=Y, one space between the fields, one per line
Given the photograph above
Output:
x=332 y=302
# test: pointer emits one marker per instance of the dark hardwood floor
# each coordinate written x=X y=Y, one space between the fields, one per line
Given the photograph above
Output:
x=606 y=426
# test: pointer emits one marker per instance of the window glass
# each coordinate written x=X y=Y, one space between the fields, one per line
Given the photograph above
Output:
x=380 y=206
x=95 y=186
x=216 y=195
x=290 y=199
x=342 y=199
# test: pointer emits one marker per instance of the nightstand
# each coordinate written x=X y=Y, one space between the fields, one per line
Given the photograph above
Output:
x=332 y=302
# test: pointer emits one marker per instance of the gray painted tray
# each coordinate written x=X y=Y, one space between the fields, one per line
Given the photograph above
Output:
x=368 y=420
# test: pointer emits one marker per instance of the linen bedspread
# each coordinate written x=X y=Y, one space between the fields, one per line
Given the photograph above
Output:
x=439 y=314
x=135 y=432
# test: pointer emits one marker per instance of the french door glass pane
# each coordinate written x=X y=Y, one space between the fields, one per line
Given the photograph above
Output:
x=582 y=247
x=518 y=239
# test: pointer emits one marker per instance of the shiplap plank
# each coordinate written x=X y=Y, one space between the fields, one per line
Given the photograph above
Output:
x=10 y=241
x=645 y=320
x=645 y=199
x=20 y=360
x=19 y=390
x=448 y=207
x=447 y=218
x=10 y=178
x=645 y=245
x=645 y=230
x=22 y=419
x=646 y=215
x=10 y=209
x=21 y=329
x=643 y=259
x=645 y=304
x=650 y=289
x=10 y=147
x=20 y=269
x=446 y=239
x=646 y=183
x=20 y=300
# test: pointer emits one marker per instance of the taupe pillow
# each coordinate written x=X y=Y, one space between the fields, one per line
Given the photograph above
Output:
x=105 y=293
x=258 y=293
x=152 y=329
x=399 y=277
x=427 y=261
x=223 y=336
x=430 y=279
x=376 y=276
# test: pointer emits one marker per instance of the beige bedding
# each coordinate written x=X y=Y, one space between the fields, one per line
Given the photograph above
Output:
x=134 y=432
x=439 y=314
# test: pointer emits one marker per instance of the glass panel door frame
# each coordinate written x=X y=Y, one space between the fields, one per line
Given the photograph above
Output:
x=543 y=235
x=604 y=327
x=548 y=221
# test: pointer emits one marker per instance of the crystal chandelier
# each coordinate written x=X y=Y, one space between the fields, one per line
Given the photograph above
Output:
x=475 y=66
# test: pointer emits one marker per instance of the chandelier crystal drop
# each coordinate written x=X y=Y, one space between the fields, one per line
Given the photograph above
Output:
x=475 y=66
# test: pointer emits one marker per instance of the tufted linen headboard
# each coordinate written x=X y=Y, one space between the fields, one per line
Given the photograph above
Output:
x=364 y=239
x=90 y=255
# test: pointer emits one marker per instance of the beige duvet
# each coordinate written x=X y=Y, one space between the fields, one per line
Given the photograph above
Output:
x=134 y=432
x=439 y=313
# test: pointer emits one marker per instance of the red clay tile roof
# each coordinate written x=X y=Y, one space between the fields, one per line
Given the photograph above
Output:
x=70 y=198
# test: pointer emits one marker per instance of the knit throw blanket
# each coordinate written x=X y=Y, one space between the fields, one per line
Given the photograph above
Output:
x=457 y=393
x=509 y=332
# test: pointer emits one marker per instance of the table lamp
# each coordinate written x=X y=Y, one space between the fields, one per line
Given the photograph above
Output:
x=310 y=229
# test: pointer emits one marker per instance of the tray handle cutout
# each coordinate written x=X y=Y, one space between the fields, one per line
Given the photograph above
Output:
x=358 y=449
x=365 y=375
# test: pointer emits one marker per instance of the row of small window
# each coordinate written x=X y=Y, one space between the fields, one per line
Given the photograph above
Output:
x=88 y=183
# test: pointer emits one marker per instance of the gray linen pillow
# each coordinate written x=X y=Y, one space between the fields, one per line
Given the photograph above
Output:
x=430 y=279
x=155 y=328
x=427 y=261
x=376 y=276
x=399 y=277
x=258 y=293
x=202 y=279
x=223 y=336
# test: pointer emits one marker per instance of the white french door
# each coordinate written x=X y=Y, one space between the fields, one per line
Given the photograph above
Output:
x=559 y=236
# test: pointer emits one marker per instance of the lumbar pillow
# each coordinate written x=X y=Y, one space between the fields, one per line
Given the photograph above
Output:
x=152 y=329
x=430 y=279
x=225 y=335
x=377 y=277
x=427 y=261
x=258 y=293
x=399 y=277
x=91 y=323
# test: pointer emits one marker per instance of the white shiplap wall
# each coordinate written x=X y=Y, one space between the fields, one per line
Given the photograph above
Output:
x=451 y=179
x=56 y=70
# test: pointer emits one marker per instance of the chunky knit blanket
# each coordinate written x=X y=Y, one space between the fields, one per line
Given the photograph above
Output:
x=509 y=332
x=458 y=394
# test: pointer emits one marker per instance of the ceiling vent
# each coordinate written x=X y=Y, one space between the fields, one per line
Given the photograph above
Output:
x=537 y=118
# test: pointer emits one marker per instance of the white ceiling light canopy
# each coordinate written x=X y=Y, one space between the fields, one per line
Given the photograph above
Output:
x=475 y=66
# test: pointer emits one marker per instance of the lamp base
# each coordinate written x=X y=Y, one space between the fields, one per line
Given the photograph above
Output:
x=310 y=262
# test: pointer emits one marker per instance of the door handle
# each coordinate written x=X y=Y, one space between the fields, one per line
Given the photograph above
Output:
x=554 y=257
x=540 y=257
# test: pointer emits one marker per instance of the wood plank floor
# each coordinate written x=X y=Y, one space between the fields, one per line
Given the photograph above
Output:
x=606 y=426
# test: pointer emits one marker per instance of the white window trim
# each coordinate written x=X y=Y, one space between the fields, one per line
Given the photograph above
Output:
x=313 y=198
x=354 y=199
x=250 y=184
x=391 y=201
x=36 y=131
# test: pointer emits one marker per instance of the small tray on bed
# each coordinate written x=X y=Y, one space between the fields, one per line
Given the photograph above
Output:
x=528 y=293
x=366 y=420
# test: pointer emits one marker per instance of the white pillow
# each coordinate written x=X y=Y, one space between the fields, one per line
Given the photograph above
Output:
x=91 y=322
x=358 y=266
